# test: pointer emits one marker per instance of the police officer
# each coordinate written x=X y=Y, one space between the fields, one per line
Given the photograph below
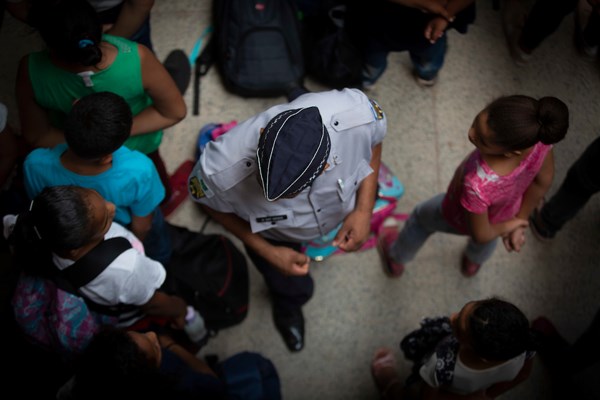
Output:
x=291 y=174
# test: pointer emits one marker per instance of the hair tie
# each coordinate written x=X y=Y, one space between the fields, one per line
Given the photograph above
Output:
x=83 y=43
x=35 y=227
x=37 y=232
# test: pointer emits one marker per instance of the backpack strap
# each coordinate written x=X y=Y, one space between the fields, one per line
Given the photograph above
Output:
x=88 y=267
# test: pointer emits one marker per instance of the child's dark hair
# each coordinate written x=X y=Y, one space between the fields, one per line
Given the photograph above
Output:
x=57 y=221
x=519 y=122
x=113 y=364
x=98 y=124
x=499 y=330
x=70 y=28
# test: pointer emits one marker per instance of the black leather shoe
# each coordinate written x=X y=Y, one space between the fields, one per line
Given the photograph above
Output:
x=291 y=327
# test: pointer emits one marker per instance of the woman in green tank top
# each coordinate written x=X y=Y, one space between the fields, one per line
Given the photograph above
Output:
x=79 y=61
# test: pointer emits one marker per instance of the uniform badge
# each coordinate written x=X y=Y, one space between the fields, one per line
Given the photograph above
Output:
x=198 y=188
x=378 y=111
x=195 y=188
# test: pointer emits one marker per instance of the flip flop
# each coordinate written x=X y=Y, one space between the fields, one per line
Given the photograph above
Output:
x=178 y=182
x=178 y=66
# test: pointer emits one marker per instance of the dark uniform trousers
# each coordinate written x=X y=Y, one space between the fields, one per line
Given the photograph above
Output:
x=288 y=293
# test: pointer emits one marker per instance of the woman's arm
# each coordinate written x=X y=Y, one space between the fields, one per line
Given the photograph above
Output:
x=168 y=108
x=438 y=25
x=164 y=305
x=455 y=6
x=430 y=6
x=19 y=9
x=35 y=124
x=132 y=16
x=190 y=359
x=140 y=226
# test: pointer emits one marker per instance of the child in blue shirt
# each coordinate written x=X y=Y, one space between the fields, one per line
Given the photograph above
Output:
x=94 y=158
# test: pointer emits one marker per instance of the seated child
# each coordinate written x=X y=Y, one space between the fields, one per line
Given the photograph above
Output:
x=483 y=350
x=64 y=223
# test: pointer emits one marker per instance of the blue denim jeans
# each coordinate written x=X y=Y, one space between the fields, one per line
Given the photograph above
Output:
x=427 y=60
x=142 y=36
x=157 y=243
x=426 y=219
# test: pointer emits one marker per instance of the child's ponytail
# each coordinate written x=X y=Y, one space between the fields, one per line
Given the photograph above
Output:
x=70 y=28
x=88 y=51
x=32 y=253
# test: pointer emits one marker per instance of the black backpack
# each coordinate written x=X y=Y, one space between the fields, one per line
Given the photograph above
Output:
x=258 y=46
x=248 y=376
x=331 y=50
x=211 y=274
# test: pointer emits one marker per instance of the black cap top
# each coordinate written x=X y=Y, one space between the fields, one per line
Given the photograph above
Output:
x=292 y=152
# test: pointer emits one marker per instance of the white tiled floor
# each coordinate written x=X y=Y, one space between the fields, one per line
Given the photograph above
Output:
x=356 y=308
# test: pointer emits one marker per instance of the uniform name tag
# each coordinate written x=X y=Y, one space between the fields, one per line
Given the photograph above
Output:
x=271 y=218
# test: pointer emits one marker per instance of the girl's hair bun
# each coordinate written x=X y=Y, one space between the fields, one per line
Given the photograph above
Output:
x=553 y=117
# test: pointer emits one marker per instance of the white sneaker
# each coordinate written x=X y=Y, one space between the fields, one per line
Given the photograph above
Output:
x=425 y=82
x=368 y=86
x=517 y=54
x=513 y=19
x=582 y=16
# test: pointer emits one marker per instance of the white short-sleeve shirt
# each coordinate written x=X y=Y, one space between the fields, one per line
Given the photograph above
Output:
x=468 y=380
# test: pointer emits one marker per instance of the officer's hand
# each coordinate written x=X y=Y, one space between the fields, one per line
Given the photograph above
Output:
x=354 y=231
x=289 y=261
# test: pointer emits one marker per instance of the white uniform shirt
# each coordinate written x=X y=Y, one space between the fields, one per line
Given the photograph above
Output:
x=226 y=176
